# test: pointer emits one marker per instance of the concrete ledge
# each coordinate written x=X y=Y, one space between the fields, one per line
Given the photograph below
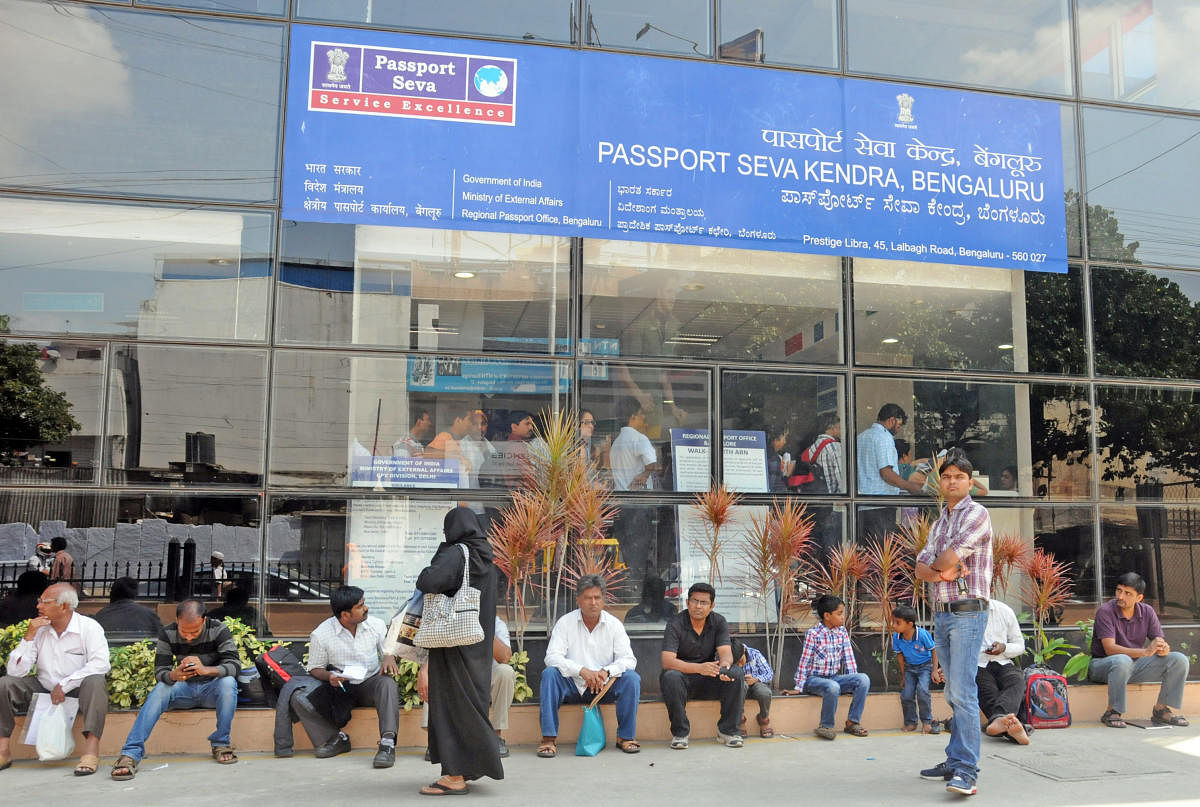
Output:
x=254 y=729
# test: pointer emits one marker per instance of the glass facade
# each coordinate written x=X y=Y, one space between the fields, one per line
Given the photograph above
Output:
x=286 y=393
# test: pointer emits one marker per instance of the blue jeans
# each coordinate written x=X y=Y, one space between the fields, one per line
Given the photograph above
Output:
x=958 y=637
x=1119 y=670
x=830 y=688
x=219 y=692
x=557 y=690
x=916 y=693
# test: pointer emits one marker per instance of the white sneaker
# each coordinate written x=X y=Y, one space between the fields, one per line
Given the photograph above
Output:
x=730 y=740
x=679 y=743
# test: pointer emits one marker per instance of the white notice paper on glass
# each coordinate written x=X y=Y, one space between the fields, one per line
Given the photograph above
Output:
x=40 y=705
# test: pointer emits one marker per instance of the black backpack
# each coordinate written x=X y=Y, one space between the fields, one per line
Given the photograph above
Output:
x=807 y=476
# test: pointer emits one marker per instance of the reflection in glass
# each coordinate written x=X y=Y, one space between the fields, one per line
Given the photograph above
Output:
x=652 y=423
x=779 y=32
x=667 y=26
x=1141 y=200
x=149 y=272
x=1139 y=52
x=186 y=416
x=423 y=289
x=1041 y=429
x=140 y=104
x=51 y=399
x=529 y=20
x=163 y=541
x=775 y=417
x=674 y=300
x=407 y=422
x=910 y=314
x=1146 y=322
x=1024 y=45
x=1159 y=543
x=271 y=8
x=1148 y=441
x=1068 y=533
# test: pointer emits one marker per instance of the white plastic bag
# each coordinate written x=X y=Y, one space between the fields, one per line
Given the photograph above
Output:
x=54 y=738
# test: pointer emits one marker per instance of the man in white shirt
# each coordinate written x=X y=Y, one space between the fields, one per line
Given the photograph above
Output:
x=588 y=647
x=346 y=653
x=71 y=655
x=632 y=456
x=1001 y=684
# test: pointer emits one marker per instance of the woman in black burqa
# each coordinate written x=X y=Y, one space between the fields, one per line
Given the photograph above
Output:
x=461 y=737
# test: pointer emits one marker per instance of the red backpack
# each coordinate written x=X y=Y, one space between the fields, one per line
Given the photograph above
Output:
x=807 y=476
x=1045 y=705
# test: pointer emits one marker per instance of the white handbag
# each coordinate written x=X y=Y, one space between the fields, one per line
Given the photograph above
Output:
x=452 y=621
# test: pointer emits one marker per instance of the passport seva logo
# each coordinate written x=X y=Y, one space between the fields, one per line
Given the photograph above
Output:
x=364 y=80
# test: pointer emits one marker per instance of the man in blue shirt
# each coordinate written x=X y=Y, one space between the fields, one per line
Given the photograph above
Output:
x=879 y=473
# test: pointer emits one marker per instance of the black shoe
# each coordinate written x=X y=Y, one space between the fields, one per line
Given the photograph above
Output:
x=385 y=757
x=338 y=745
x=503 y=748
x=940 y=771
x=427 y=759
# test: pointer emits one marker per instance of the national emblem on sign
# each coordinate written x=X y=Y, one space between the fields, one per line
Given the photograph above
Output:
x=337 y=64
x=906 y=104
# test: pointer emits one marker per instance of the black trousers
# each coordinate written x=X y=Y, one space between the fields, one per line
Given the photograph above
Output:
x=1001 y=688
x=678 y=688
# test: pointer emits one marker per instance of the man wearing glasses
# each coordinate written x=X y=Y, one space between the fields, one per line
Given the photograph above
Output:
x=71 y=655
x=697 y=663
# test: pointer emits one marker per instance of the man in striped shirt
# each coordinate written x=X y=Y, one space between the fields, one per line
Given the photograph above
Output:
x=196 y=664
x=957 y=563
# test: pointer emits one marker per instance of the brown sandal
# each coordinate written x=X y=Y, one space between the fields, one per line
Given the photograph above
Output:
x=548 y=749
x=88 y=763
x=855 y=729
x=630 y=746
x=126 y=764
x=764 y=727
x=224 y=755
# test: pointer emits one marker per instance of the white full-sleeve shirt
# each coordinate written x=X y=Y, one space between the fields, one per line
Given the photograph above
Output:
x=1002 y=627
x=63 y=660
x=573 y=647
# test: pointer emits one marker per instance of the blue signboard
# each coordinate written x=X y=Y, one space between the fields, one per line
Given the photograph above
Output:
x=396 y=129
x=485 y=377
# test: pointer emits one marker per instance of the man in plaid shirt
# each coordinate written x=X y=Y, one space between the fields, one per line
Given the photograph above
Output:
x=826 y=652
x=957 y=563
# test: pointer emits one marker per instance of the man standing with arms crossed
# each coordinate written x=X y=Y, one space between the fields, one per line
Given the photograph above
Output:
x=957 y=563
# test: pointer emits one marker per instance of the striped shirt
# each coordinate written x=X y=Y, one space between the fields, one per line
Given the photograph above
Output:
x=830 y=463
x=826 y=650
x=332 y=644
x=966 y=529
x=214 y=647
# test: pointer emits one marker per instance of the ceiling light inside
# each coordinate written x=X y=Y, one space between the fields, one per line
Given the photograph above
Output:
x=464 y=275
x=889 y=340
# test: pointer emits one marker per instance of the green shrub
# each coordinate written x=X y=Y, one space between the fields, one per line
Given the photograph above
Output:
x=132 y=675
x=10 y=637
x=248 y=644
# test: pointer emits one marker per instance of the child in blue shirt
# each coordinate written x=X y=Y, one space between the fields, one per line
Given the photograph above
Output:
x=917 y=657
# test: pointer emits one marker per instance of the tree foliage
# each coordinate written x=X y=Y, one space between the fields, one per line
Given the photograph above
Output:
x=30 y=412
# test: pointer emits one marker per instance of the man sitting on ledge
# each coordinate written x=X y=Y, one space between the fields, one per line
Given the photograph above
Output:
x=1122 y=655
x=196 y=664
x=587 y=647
x=697 y=663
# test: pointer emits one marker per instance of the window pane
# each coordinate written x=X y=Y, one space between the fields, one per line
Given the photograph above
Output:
x=910 y=314
x=1140 y=52
x=265 y=8
x=780 y=32
x=645 y=300
x=1146 y=322
x=1148 y=440
x=140 y=104
x=1023 y=45
x=186 y=416
x=343 y=420
x=1038 y=433
x=654 y=422
x=423 y=289
x=51 y=399
x=139 y=271
x=531 y=20
x=667 y=26
x=111 y=535
x=1159 y=543
x=1141 y=199
x=773 y=418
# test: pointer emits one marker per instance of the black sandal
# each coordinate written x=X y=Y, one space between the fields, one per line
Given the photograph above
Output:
x=1112 y=719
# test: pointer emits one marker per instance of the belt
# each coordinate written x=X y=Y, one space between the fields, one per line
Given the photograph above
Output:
x=961 y=606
